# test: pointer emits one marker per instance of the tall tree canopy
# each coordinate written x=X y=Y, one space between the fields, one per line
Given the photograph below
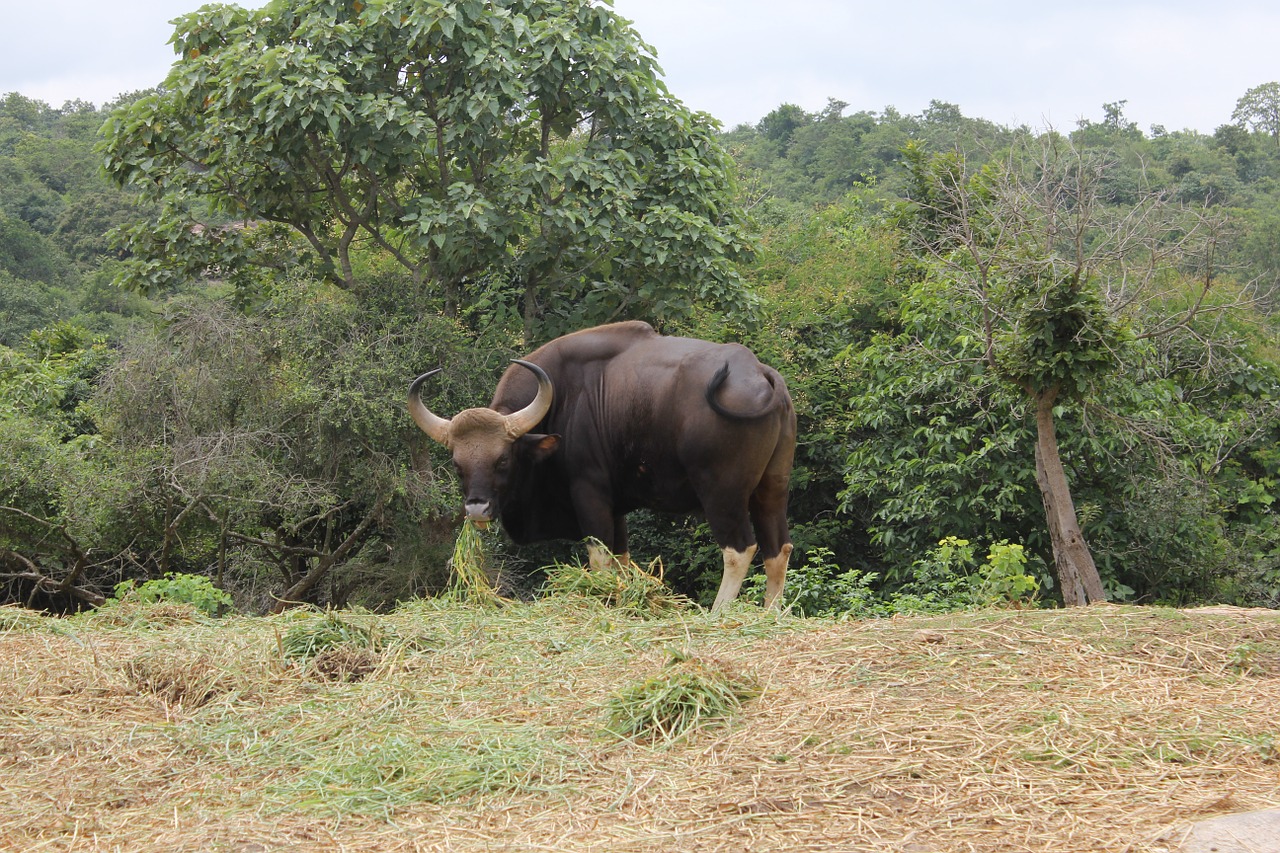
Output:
x=526 y=147
x=1260 y=109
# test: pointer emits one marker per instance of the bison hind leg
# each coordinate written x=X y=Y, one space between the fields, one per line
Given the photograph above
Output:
x=775 y=571
x=736 y=565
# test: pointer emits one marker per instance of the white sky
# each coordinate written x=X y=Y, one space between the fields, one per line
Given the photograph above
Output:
x=1178 y=63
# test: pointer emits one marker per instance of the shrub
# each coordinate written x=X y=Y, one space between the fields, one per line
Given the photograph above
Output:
x=1003 y=579
x=817 y=587
x=196 y=590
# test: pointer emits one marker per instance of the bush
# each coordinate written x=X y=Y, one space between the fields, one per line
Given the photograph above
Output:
x=195 y=590
x=817 y=587
x=947 y=578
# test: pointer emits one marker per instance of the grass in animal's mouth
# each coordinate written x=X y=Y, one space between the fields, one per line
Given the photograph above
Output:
x=470 y=580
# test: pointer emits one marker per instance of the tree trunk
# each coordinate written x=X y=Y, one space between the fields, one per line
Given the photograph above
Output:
x=1077 y=573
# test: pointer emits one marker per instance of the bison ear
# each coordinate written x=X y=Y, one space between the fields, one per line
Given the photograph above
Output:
x=540 y=447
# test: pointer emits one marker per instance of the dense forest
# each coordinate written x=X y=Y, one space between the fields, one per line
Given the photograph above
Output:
x=213 y=295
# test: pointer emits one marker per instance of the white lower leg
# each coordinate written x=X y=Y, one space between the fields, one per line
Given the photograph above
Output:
x=736 y=564
x=600 y=557
x=775 y=570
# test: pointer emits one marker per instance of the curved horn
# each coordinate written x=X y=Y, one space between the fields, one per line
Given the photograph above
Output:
x=430 y=423
x=519 y=423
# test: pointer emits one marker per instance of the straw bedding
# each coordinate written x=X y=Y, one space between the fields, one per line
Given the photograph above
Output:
x=1108 y=728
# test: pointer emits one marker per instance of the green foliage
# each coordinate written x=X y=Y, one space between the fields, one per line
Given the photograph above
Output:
x=195 y=590
x=1259 y=108
x=950 y=578
x=819 y=588
x=257 y=434
x=942 y=580
x=28 y=255
x=1004 y=579
x=1060 y=335
x=936 y=445
x=24 y=307
x=557 y=164
x=278 y=440
x=687 y=694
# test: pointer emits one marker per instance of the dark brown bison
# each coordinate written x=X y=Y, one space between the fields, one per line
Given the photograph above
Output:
x=615 y=418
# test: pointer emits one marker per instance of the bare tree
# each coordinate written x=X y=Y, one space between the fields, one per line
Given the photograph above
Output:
x=1062 y=279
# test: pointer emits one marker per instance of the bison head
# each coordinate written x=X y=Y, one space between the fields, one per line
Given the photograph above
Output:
x=488 y=446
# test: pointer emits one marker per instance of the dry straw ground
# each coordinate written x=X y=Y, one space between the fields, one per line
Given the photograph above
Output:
x=454 y=727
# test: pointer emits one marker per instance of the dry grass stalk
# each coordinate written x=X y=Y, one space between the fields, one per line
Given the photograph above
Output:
x=1096 y=729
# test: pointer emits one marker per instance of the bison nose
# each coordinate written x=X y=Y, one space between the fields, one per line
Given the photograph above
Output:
x=479 y=509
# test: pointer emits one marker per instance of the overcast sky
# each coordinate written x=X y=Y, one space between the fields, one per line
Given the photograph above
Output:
x=1182 y=64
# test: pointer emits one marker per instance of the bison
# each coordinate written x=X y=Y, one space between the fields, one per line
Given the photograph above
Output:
x=615 y=418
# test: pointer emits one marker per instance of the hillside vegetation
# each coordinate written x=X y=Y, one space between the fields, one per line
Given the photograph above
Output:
x=148 y=727
x=204 y=353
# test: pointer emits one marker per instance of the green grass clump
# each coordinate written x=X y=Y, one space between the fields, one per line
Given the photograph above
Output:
x=13 y=618
x=384 y=771
x=625 y=587
x=326 y=632
x=688 y=693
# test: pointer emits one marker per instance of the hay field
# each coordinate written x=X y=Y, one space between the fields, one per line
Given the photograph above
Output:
x=466 y=728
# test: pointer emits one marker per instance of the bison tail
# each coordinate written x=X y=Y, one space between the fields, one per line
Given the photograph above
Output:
x=713 y=387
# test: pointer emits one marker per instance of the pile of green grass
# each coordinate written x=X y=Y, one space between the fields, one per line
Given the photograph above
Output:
x=622 y=586
x=689 y=693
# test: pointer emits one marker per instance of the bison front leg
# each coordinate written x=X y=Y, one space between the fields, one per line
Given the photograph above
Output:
x=599 y=557
x=736 y=565
x=606 y=530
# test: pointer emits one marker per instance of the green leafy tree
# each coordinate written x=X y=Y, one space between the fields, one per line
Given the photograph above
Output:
x=27 y=254
x=528 y=140
x=1259 y=108
x=269 y=450
x=783 y=121
x=51 y=541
